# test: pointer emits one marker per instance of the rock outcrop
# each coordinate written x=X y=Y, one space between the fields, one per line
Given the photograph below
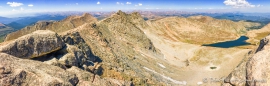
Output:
x=20 y=72
x=33 y=45
x=44 y=58
x=258 y=68
x=254 y=69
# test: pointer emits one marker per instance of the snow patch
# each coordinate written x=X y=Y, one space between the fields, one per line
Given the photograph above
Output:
x=166 y=77
x=143 y=55
x=199 y=83
x=161 y=65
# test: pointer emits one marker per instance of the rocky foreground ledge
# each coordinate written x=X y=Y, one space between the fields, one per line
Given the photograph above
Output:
x=44 y=58
x=254 y=70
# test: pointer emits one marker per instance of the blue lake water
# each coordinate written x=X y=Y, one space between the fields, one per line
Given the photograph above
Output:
x=227 y=44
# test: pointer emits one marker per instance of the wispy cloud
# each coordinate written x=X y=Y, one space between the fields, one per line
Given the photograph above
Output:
x=238 y=3
x=77 y=3
x=119 y=3
x=21 y=9
x=14 y=4
x=30 y=5
x=128 y=3
x=98 y=2
x=259 y=5
x=139 y=4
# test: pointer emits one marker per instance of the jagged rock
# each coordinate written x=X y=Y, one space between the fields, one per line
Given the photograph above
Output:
x=258 y=68
x=30 y=72
x=82 y=49
x=238 y=76
x=69 y=60
x=263 y=42
x=254 y=69
x=21 y=72
x=33 y=45
x=89 y=79
x=55 y=62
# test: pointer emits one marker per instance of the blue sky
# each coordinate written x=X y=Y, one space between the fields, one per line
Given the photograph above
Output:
x=12 y=7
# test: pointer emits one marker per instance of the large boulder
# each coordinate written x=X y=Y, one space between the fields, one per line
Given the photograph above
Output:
x=33 y=45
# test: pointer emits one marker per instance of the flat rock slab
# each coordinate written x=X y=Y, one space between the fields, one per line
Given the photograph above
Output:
x=33 y=45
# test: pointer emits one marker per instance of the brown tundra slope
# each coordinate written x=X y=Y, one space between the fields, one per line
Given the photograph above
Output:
x=122 y=49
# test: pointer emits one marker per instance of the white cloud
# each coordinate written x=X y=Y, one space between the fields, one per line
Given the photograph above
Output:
x=117 y=2
x=259 y=5
x=238 y=3
x=140 y=4
x=13 y=10
x=14 y=4
x=77 y=3
x=21 y=9
x=128 y=3
x=30 y=5
x=98 y=2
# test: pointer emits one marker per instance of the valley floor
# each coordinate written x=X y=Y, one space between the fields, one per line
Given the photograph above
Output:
x=193 y=64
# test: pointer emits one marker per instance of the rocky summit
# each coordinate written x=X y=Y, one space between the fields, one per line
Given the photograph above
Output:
x=126 y=50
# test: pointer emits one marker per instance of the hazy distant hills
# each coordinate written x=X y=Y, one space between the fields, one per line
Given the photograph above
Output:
x=7 y=20
x=21 y=23
x=4 y=30
x=8 y=25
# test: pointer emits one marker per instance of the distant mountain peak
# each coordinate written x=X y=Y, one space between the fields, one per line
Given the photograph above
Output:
x=120 y=12
x=87 y=15
x=84 y=16
x=2 y=24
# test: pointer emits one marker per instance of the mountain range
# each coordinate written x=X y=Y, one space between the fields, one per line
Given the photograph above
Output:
x=127 y=49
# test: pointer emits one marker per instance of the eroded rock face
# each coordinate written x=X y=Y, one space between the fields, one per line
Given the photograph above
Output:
x=238 y=76
x=22 y=72
x=258 y=68
x=70 y=65
x=19 y=72
x=254 y=70
x=33 y=45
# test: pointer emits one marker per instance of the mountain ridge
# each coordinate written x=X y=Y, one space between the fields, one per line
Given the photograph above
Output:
x=125 y=48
